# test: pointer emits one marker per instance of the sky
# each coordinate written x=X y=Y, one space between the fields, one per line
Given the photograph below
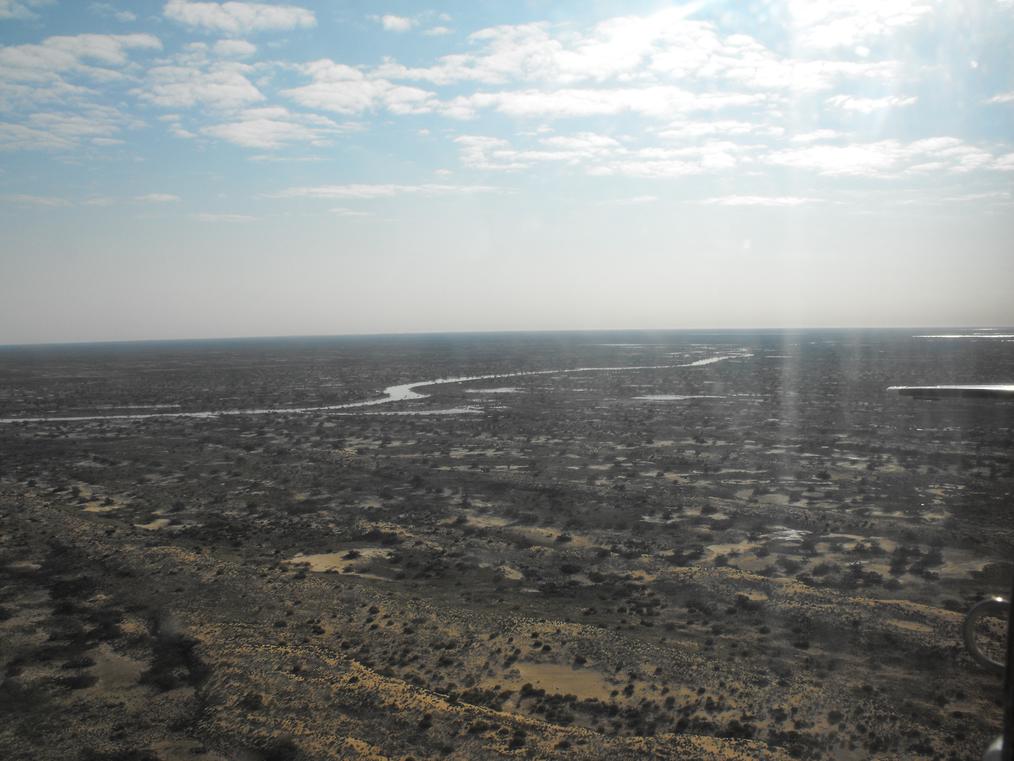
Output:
x=177 y=169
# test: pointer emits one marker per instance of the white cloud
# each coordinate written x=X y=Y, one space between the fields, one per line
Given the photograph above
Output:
x=828 y=24
x=347 y=90
x=234 y=48
x=437 y=31
x=273 y=127
x=79 y=54
x=586 y=142
x=696 y=50
x=996 y=196
x=106 y=48
x=631 y=201
x=756 y=67
x=16 y=96
x=222 y=85
x=210 y=217
x=239 y=17
x=869 y=105
x=614 y=48
x=663 y=47
x=20 y=199
x=758 y=201
x=602 y=155
x=64 y=130
x=491 y=153
x=658 y=101
x=1003 y=163
x=694 y=130
x=708 y=158
x=344 y=211
x=20 y=9
x=18 y=137
x=181 y=132
x=34 y=76
x=480 y=152
x=690 y=98
x=393 y=23
x=157 y=198
x=889 y=158
x=817 y=136
x=95 y=121
x=657 y=168
x=862 y=159
x=370 y=191
x=107 y=9
x=286 y=159
x=152 y=198
x=526 y=52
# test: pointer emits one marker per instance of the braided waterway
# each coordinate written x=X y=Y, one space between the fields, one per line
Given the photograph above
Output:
x=398 y=393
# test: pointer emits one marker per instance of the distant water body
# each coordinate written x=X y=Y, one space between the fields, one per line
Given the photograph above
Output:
x=891 y=356
x=399 y=393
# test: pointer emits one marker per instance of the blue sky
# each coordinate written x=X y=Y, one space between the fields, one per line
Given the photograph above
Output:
x=190 y=169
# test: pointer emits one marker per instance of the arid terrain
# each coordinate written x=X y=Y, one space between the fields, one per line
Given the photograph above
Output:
x=622 y=546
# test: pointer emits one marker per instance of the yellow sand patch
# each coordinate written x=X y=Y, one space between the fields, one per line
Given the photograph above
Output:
x=549 y=536
x=155 y=525
x=564 y=680
x=115 y=672
x=487 y=521
x=510 y=572
x=23 y=566
x=338 y=561
x=912 y=626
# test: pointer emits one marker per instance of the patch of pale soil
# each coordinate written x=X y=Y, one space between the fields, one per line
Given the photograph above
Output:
x=155 y=525
x=714 y=550
x=94 y=507
x=184 y=750
x=339 y=561
x=487 y=521
x=912 y=626
x=565 y=680
x=549 y=536
x=510 y=572
x=115 y=673
x=23 y=566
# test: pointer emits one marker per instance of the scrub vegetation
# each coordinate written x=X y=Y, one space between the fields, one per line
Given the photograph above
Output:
x=763 y=557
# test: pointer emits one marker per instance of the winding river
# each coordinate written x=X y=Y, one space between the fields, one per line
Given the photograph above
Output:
x=399 y=393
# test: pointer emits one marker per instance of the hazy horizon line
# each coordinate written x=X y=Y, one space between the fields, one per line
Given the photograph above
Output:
x=503 y=331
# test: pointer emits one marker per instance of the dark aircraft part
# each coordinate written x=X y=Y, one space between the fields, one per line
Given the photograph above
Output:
x=995 y=607
x=987 y=391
